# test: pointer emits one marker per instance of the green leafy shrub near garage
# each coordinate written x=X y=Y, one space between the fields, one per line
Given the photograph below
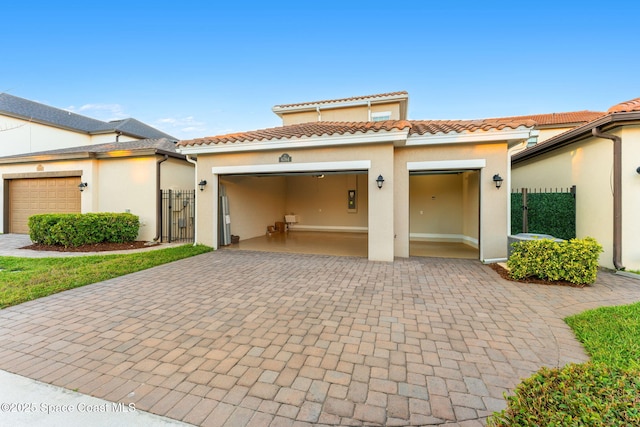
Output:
x=589 y=394
x=574 y=261
x=83 y=229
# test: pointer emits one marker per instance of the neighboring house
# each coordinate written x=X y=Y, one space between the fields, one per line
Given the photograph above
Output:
x=324 y=164
x=46 y=153
x=28 y=127
x=119 y=177
x=602 y=159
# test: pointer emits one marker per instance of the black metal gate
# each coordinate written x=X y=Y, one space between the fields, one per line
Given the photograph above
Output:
x=177 y=215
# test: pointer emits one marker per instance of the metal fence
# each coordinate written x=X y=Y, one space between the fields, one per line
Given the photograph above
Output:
x=177 y=215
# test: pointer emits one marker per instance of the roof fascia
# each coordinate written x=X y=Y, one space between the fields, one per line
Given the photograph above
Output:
x=314 y=106
x=47 y=158
x=304 y=142
x=512 y=136
x=575 y=135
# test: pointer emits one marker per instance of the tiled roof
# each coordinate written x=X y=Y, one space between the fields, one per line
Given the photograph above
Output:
x=311 y=129
x=30 y=110
x=343 y=100
x=627 y=106
x=559 y=118
x=161 y=144
x=433 y=127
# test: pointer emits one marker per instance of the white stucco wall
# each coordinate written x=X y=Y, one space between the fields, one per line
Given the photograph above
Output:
x=20 y=136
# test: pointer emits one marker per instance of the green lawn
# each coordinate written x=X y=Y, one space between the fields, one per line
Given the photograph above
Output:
x=604 y=391
x=26 y=279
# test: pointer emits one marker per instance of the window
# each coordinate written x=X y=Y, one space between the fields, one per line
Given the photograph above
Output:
x=381 y=116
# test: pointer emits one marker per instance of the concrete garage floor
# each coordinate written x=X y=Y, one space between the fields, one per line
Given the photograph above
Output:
x=345 y=244
x=235 y=338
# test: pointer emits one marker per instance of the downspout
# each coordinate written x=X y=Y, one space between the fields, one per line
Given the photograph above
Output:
x=195 y=214
x=158 y=200
x=617 y=195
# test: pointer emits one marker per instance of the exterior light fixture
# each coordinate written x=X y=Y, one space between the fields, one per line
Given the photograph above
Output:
x=82 y=186
x=380 y=181
x=202 y=184
x=497 y=179
x=638 y=170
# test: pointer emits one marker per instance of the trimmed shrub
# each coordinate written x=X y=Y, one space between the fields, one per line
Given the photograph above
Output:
x=574 y=261
x=83 y=229
x=577 y=395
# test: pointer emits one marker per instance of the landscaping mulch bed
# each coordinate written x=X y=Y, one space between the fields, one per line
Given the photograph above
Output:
x=504 y=273
x=98 y=247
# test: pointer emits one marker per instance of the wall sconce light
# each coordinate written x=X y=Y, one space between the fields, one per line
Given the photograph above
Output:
x=638 y=170
x=380 y=181
x=497 y=179
x=82 y=186
x=202 y=183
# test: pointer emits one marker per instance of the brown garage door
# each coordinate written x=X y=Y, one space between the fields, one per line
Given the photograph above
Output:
x=42 y=195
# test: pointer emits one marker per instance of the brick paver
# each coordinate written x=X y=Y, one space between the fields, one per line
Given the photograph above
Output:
x=256 y=338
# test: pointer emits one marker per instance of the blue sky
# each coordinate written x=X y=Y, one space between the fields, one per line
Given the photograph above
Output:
x=200 y=68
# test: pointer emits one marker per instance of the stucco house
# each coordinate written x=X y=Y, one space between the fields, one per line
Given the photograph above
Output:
x=602 y=159
x=358 y=165
x=60 y=162
x=27 y=127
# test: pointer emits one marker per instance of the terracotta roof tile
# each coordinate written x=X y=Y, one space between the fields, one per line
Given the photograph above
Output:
x=632 y=105
x=300 y=131
x=337 y=101
x=311 y=129
x=559 y=118
x=422 y=127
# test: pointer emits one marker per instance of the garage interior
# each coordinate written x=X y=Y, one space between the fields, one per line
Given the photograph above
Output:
x=444 y=213
x=330 y=210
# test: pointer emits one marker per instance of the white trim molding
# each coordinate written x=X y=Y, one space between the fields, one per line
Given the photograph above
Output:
x=447 y=164
x=302 y=142
x=293 y=167
x=437 y=237
x=510 y=136
x=334 y=228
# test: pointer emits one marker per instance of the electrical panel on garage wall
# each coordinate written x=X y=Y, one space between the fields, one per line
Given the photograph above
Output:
x=352 y=193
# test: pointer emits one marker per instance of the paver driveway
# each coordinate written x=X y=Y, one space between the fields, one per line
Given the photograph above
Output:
x=255 y=338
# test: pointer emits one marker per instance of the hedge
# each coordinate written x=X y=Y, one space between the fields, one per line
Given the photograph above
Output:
x=548 y=213
x=574 y=261
x=83 y=229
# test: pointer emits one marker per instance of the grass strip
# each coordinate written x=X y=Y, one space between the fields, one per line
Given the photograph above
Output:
x=26 y=279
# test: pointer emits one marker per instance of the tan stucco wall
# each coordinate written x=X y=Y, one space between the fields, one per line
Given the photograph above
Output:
x=380 y=202
x=630 y=197
x=254 y=203
x=114 y=185
x=358 y=113
x=321 y=203
x=435 y=207
x=470 y=207
x=493 y=202
x=588 y=165
x=551 y=132
x=176 y=174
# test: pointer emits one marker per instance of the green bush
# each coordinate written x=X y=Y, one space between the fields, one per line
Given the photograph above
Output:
x=589 y=394
x=574 y=261
x=83 y=229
